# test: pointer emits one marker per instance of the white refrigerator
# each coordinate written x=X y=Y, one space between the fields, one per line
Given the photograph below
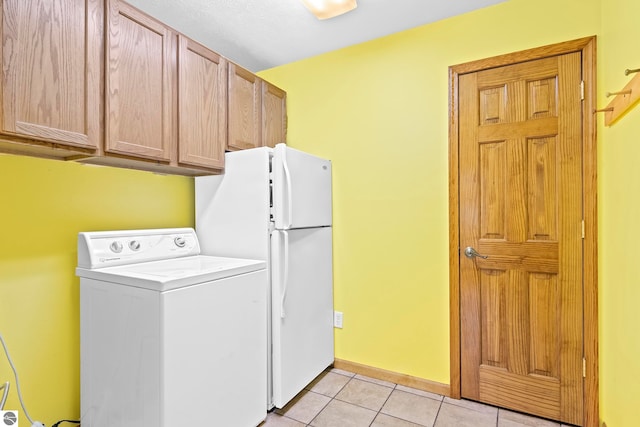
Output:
x=275 y=205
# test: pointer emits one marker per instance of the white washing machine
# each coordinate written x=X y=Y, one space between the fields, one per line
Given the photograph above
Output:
x=169 y=337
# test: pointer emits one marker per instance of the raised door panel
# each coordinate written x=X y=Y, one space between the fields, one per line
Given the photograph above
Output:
x=274 y=115
x=244 y=109
x=202 y=105
x=139 y=84
x=52 y=61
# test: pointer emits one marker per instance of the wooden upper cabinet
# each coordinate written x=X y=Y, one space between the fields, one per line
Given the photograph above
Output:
x=274 y=115
x=245 y=109
x=257 y=111
x=202 y=105
x=140 y=85
x=102 y=82
x=52 y=62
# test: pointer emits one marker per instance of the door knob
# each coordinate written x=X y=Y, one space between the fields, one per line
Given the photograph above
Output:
x=469 y=252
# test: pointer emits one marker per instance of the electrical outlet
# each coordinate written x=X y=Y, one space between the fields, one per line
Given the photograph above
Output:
x=337 y=319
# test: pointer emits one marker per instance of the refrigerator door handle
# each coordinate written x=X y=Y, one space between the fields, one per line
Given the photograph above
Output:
x=287 y=175
x=286 y=274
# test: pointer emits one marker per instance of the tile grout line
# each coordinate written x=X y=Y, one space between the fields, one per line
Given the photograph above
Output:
x=330 y=400
x=379 y=411
x=394 y=388
x=382 y=406
x=435 y=420
x=323 y=408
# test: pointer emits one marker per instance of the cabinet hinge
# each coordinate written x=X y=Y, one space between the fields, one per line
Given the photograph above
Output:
x=584 y=368
x=583 y=228
x=582 y=90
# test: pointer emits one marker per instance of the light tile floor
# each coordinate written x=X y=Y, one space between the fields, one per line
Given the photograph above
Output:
x=339 y=398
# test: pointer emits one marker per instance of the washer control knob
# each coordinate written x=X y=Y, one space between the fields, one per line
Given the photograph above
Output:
x=134 y=245
x=180 y=241
x=116 y=246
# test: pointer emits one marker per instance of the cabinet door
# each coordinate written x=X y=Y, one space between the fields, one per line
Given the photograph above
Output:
x=139 y=84
x=244 y=109
x=52 y=61
x=202 y=105
x=274 y=115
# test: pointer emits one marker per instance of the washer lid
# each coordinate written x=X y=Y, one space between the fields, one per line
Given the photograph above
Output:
x=174 y=273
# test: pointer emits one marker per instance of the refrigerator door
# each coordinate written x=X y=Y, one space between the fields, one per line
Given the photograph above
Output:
x=301 y=309
x=301 y=189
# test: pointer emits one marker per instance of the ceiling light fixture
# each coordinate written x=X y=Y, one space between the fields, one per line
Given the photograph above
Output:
x=325 y=9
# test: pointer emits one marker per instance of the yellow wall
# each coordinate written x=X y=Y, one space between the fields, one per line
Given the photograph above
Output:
x=43 y=205
x=619 y=186
x=379 y=111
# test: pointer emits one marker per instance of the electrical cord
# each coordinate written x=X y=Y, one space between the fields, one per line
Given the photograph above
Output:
x=66 y=421
x=4 y=394
x=5 y=386
x=24 y=409
x=15 y=374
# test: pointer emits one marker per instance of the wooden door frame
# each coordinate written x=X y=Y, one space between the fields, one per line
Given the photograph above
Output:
x=587 y=47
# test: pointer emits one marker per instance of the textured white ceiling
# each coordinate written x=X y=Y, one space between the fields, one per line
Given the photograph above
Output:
x=260 y=34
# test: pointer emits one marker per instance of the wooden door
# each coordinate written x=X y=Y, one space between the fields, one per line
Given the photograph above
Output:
x=274 y=115
x=202 y=105
x=52 y=61
x=520 y=205
x=139 y=85
x=245 y=109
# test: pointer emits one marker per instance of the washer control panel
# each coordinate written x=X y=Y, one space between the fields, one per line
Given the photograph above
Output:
x=109 y=248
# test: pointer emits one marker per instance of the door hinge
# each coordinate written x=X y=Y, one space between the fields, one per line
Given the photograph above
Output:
x=584 y=368
x=583 y=228
x=582 y=90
